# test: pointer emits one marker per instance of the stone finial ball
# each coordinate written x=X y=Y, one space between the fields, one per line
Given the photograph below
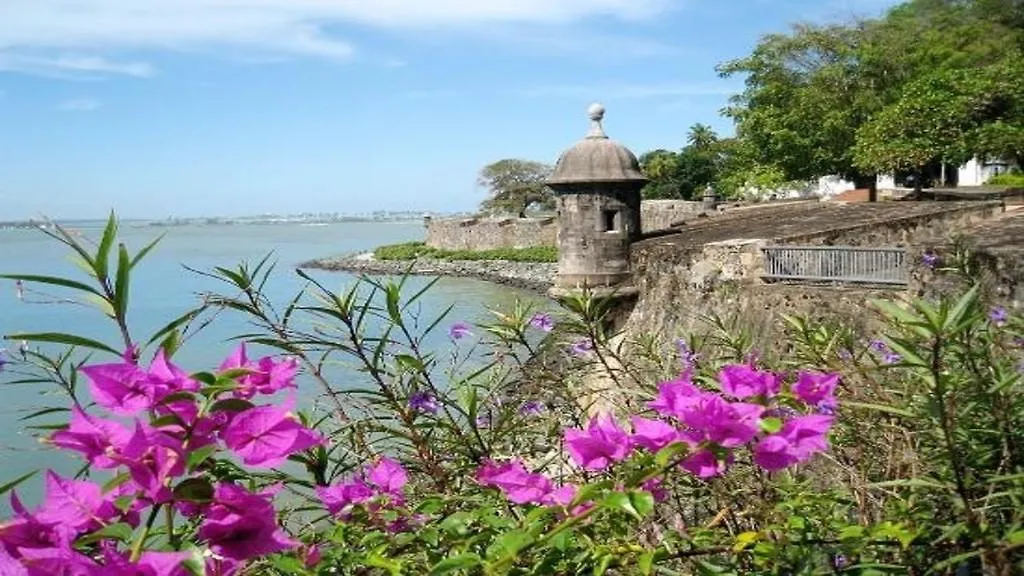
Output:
x=596 y=111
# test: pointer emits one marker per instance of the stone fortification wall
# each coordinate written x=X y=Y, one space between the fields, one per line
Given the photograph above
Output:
x=713 y=270
x=490 y=233
x=663 y=214
x=485 y=233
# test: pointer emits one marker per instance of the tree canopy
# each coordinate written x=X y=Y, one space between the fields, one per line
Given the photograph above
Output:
x=932 y=80
x=514 y=186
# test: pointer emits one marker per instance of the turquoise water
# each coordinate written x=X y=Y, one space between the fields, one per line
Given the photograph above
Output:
x=163 y=289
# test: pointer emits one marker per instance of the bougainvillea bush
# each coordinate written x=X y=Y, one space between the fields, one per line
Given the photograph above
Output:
x=898 y=452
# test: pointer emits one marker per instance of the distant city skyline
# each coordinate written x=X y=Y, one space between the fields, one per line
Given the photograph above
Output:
x=252 y=106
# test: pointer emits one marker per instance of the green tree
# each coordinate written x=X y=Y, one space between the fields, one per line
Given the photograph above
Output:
x=701 y=136
x=686 y=173
x=811 y=94
x=660 y=167
x=514 y=186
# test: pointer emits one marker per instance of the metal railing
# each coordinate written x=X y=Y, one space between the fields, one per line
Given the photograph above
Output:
x=847 y=264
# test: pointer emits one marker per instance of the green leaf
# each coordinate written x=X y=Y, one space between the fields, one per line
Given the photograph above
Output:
x=460 y=562
x=620 y=501
x=119 y=531
x=509 y=544
x=121 y=282
x=642 y=501
x=146 y=250
x=234 y=373
x=231 y=405
x=67 y=339
x=116 y=481
x=851 y=533
x=968 y=301
x=171 y=398
x=198 y=456
x=670 y=454
x=53 y=281
x=745 y=540
x=1014 y=539
x=771 y=425
x=289 y=565
x=375 y=560
x=14 y=483
x=196 y=563
x=589 y=491
x=879 y=408
x=167 y=420
x=43 y=412
x=645 y=563
x=124 y=503
x=194 y=490
x=913 y=483
x=102 y=260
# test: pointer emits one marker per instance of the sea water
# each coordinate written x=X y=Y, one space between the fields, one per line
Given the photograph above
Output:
x=163 y=288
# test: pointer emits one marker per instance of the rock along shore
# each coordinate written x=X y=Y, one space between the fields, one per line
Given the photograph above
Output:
x=536 y=276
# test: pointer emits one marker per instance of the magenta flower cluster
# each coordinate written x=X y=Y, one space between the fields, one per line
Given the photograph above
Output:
x=158 y=417
x=379 y=488
x=781 y=423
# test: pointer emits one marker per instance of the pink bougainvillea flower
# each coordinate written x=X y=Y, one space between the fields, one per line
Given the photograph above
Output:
x=728 y=424
x=704 y=464
x=241 y=525
x=168 y=378
x=152 y=458
x=601 y=444
x=73 y=504
x=807 y=434
x=676 y=397
x=201 y=430
x=93 y=437
x=815 y=388
x=10 y=566
x=388 y=476
x=265 y=376
x=149 y=564
x=339 y=499
x=774 y=453
x=264 y=437
x=311 y=556
x=799 y=439
x=654 y=486
x=25 y=531
x=61 y=560
x=124 y=389
x=653 y=434
x=561 y=496
x=518 y=485
x=744 y=381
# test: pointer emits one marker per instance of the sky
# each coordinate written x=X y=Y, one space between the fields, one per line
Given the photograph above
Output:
x=158 y=108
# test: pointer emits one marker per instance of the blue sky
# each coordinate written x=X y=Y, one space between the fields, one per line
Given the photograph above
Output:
x=232 y=107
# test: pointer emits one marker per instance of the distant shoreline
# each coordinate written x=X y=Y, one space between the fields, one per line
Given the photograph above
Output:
x=537 y=277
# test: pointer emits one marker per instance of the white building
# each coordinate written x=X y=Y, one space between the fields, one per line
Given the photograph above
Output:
x=977 y=173
x=974 y=173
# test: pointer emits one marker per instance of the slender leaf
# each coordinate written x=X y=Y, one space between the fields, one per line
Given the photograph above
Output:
x=60 y=338
x=53 y=281
x=14 y=483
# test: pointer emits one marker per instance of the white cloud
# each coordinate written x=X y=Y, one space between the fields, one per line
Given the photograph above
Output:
x=80 y=105
x=72 y=66
x=286 y=26
x=629 y=91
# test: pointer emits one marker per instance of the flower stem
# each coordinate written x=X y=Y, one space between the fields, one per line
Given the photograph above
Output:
x=137 y=546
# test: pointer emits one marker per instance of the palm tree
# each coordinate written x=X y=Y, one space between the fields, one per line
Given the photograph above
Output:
x=701 y=136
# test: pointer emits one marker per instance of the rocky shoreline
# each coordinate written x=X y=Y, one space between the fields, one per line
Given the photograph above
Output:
x=536 y=276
